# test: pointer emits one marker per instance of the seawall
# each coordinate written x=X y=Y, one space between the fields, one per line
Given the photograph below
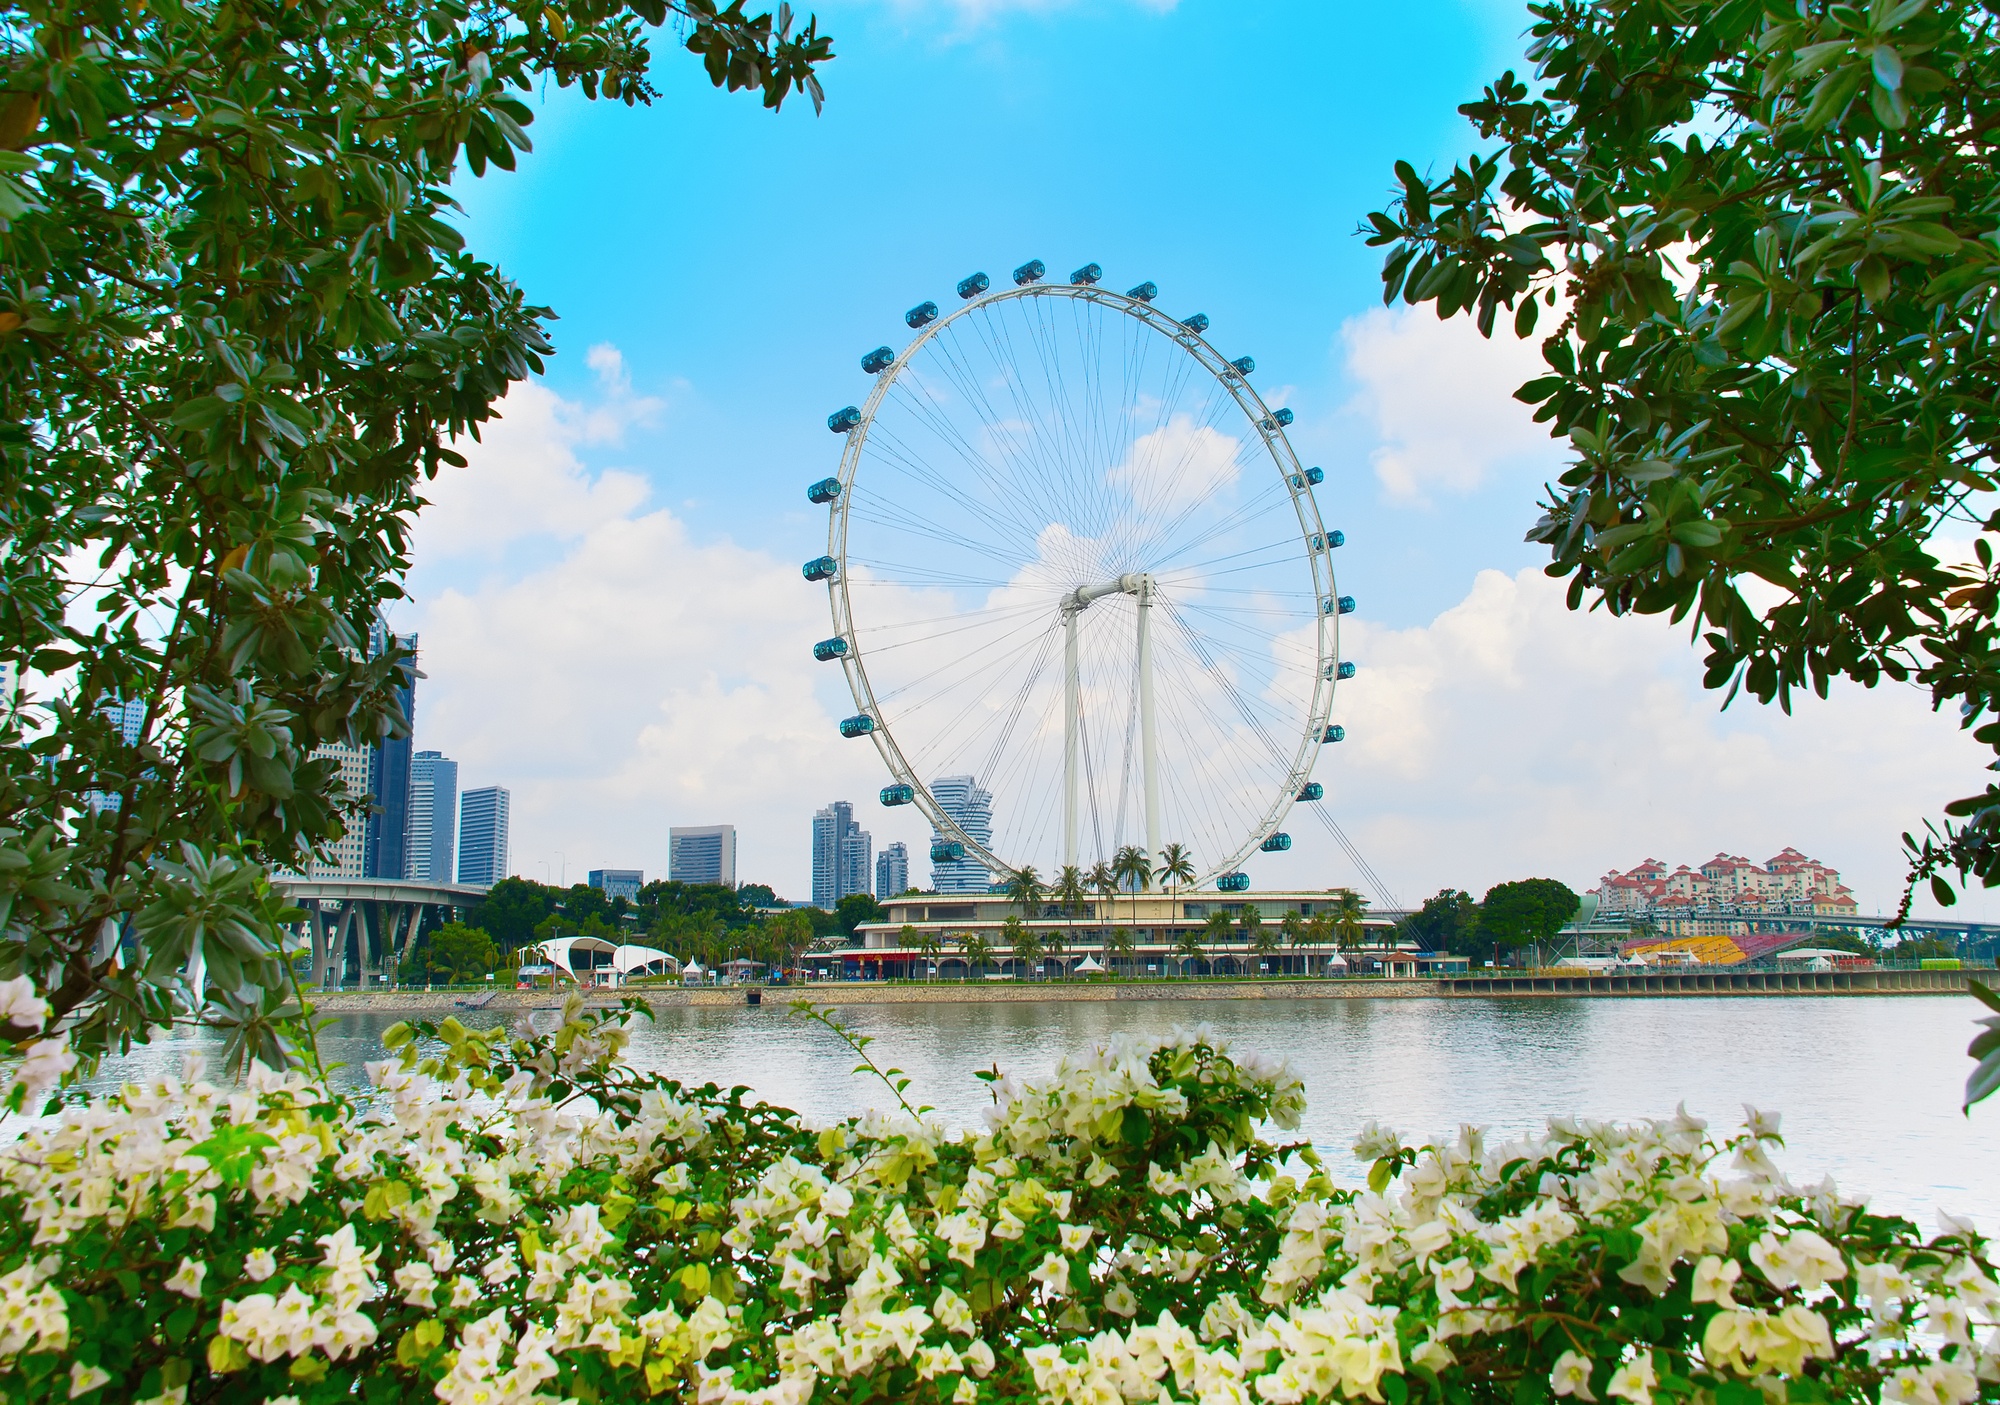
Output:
x=1537 y=986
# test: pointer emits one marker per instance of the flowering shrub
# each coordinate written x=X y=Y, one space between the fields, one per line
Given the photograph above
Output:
x=524 y=1222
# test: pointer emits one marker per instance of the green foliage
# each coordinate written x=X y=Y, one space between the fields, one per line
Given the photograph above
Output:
x=237 y=332
x=1770 y=233
x=854 y=909
x=1917 y=949
x=506 y=1218
x=1023 y=942
x=512 y=911
x=1447 y=922
x=755 y=895
x=1526 y=913
x=456 y=952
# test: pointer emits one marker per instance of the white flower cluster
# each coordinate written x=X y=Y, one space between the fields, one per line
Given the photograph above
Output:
x=1004 y=1262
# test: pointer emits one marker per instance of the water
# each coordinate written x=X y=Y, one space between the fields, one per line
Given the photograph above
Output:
x=1868 y=1087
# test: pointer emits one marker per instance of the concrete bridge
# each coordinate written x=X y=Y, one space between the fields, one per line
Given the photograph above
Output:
x=365 y=925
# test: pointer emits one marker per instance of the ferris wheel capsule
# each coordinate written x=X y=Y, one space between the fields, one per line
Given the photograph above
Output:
x=1278 y=419
x=1233 y=883
x=1346 y=669
x=1313 y=791
x=973 y=284
x=1030 y=272
x=858 y=726
x=1276 y=844
x=824 y=491
x=947 y=851
x=898 y=794
x=829 y=649
x=1244 y=366
x=923 y=314
x=820 y=568
x=841 y=421
x=1145 y=292
x=1335 y=733
x=878 y=360
x=1197 y=323
x=1086 y=275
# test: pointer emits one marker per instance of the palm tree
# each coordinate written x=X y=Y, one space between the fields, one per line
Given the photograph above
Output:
x=1120 y=940
x=1263 y=939
x=1070 y=892
x=1176 y=867
x=1025 y=887
x=1187 y=942
x=1219 y=930
x=1348 y=909
x=1294 y=928
x=929 y=945
x=976 y=950
x=1022 y=941
x=1104 y=882
x=1135 y=874
x=1320 y=930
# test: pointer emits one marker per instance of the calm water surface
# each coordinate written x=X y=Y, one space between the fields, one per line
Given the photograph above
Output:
x=1868 y=1087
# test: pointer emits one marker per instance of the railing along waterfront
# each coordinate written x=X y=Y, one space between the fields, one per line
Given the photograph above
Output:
x=1714 y=980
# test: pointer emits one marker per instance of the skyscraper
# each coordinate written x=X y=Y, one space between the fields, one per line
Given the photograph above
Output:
x=618 y=882
x=433 y=828
x=702 y=854
x=892 y=870
x=349 y=856
x=971 y=809
x=387 y=834
x=482 y=836
x=842 y=854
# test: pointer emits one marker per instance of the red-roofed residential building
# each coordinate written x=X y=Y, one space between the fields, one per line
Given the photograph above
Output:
x=1725 y=895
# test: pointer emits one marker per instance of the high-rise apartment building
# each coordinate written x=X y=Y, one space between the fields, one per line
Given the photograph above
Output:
x=128 y=715
x=482 y=836
x=702 y=854
x=618 y=882
x=971 y=809
x=842 y=855
x=387 y=833
x=431 y=841
x=892 y=870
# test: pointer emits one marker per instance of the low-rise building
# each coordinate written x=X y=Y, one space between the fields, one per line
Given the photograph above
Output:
x=1727 y=896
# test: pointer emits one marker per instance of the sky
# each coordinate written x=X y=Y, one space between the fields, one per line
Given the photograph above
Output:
x=611 y=615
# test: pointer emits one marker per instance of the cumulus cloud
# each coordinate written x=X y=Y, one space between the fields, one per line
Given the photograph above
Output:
x=1440 y=400
x=1511 y=737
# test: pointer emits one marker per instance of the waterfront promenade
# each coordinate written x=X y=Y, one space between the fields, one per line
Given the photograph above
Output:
x=1719 y=981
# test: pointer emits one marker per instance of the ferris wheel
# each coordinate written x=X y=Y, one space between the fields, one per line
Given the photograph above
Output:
x=1073 y=561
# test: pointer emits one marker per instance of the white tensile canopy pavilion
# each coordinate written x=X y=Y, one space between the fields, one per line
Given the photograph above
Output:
x=627 y=959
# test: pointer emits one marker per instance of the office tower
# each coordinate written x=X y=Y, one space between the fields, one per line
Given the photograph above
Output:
x=842 y=855
x=433 y=829
x=349 y=854
x=387 y=831
x=971 y=809
x=702 y=854
x=482 y=836
x=892 y=870
x=618 y=882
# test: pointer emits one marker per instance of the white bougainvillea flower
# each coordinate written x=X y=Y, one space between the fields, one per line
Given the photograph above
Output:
x=1715 y=1279
x=19 y=1005
x=84 y=1379
x=1571 y=1376
x=187 y=1279
x=259 y=1264
x=1634 y=1381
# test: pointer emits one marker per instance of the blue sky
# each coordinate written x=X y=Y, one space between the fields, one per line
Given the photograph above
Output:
x=611 y=615
x=743 y=260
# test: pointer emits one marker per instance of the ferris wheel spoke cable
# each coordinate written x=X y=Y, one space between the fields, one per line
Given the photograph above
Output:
x=1045 y=453
x=899 y=454
x=970 y=387
x=1368 y=875
x=982 y=469
x=986 y=658
x=978 y=620
x=1200 y=651
x=1020 y=701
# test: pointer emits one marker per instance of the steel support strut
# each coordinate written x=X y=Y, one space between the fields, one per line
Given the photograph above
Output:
x=1138 y=585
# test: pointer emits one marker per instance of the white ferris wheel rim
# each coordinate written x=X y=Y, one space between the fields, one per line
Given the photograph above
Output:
x=1284 y=461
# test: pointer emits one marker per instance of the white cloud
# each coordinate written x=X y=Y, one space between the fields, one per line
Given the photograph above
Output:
x=582 y=647
x=527 y=480
x=1440 y=399
x=1511 y=737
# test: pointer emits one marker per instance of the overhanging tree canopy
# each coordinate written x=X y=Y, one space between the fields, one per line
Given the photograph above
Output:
x=236 y=333
x=1768 y=232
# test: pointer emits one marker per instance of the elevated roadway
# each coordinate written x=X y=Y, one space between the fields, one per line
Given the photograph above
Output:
x=365 y=925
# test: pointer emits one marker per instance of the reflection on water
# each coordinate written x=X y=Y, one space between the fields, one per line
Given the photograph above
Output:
x=1868 y=1086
